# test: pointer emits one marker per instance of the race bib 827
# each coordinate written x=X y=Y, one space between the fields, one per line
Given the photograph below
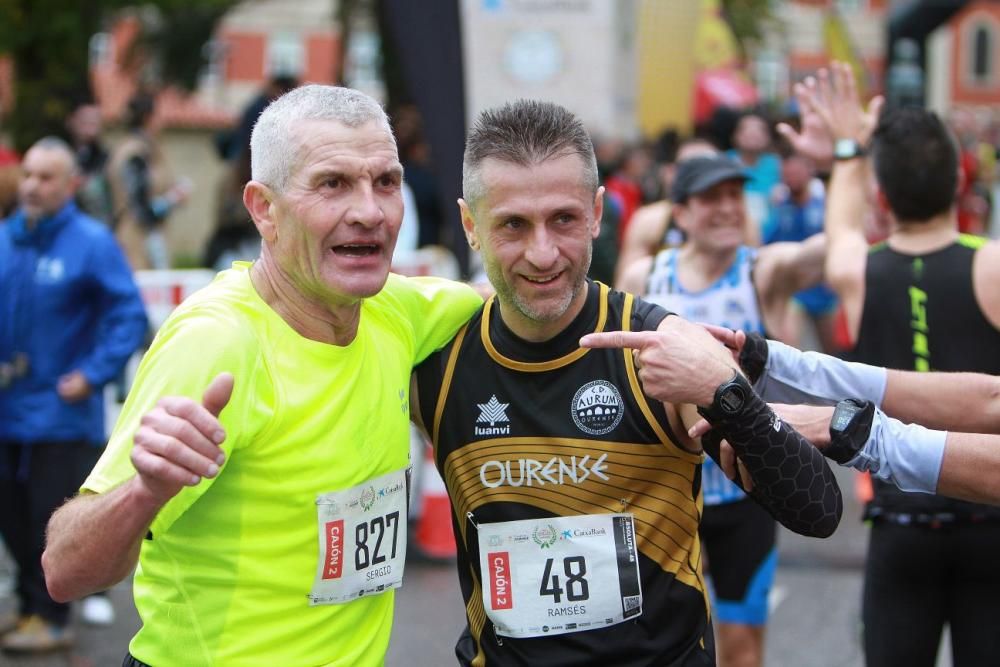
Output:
x=362 y=540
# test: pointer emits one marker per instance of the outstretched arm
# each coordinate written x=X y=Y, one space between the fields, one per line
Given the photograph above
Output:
x=93 y=540
x=949 y=401
x=832 y=97
x=959 y=465
x=785 y=268
x=679 y=363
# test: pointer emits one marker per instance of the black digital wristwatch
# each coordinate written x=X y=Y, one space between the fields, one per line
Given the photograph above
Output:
x=730 y=399
x=850 y=426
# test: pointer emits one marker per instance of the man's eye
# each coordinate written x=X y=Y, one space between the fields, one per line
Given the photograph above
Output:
x=332 y=183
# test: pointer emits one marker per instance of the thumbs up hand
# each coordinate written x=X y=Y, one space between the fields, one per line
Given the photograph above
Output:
x=177 y=443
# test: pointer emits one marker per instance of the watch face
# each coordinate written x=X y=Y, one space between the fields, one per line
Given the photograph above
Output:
x=732 y=398
x=845 y=148
x=843 y=415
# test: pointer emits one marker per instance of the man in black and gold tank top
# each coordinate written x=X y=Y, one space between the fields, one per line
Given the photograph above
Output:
x=923 y=300
x=576 y=496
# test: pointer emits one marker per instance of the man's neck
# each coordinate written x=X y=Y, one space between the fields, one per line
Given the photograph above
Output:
x=310 y=318
x=928 y=236
x=534 y=331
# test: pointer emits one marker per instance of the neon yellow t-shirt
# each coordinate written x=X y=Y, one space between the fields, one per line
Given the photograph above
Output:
x=224 y=579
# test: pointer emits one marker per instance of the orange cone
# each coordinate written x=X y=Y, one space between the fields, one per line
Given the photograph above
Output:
x=863 y=490
x=435 y=537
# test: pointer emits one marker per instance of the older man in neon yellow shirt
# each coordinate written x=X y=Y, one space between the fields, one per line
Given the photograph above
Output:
x=322 y=341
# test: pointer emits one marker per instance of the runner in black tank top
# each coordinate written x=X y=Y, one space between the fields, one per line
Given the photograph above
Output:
x=541 y=455
x=931 y=560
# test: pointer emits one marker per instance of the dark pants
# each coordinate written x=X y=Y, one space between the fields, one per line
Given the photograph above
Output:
x=918 y=578
x=35 y=480
x=129 y=661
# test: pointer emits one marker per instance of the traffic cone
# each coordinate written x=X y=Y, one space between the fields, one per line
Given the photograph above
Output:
x=434 y=537
x=863 y=490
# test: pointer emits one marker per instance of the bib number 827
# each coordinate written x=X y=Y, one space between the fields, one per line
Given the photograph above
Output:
x=576 y=590
x=376 y=528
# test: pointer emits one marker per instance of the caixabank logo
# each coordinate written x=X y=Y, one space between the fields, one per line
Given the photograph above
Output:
x=597 y=407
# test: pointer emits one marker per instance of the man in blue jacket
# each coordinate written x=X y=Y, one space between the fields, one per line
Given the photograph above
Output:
x=70 y=317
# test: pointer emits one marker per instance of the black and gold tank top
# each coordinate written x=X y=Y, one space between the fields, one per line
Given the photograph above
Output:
x=527 y=431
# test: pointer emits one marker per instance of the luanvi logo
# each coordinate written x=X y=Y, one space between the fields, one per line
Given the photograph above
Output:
x=492 y=412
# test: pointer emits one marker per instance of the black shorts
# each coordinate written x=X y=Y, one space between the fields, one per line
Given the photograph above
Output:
x=739 y=540
x=919 y=578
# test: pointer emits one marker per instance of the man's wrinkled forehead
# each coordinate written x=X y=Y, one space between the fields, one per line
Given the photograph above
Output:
x=330 y=140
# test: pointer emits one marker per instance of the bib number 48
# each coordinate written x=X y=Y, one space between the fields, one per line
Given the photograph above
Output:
x=376 y=529
x=576 y=590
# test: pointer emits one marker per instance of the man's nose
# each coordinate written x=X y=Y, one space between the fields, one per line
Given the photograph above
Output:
x=366 y=207
x=542 y=250
x=733 y=204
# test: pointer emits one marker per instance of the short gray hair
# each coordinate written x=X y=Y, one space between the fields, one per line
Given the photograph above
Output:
x=524 y=132
x=54 y=143
x=273 y=148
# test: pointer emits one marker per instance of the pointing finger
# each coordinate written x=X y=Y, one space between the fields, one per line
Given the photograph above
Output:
x=636 y=340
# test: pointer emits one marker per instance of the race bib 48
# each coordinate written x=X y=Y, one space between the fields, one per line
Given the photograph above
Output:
x=561 y=574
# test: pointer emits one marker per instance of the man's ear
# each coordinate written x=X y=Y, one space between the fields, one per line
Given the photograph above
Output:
x=259 y=202
x=598 y=212
x=468 y=224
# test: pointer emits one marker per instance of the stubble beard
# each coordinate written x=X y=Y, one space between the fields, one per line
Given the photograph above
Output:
x=507 y=294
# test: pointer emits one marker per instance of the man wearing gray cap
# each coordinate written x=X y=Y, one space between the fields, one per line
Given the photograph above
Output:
x=715 y=279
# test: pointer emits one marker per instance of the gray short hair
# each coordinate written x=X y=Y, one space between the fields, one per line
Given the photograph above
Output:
x=273 y=149
x=54 y=143
x=524 y=132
